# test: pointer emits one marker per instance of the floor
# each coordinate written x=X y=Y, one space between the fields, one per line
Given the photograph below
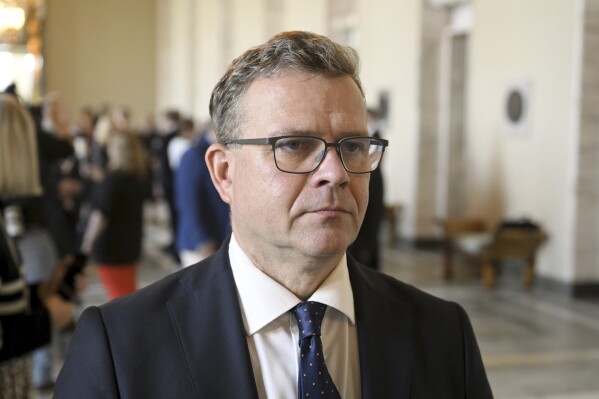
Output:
x=534 y=344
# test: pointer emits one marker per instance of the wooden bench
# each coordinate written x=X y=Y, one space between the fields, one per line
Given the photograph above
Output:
x=512 y=243
x=516 y=242
x=454 y=230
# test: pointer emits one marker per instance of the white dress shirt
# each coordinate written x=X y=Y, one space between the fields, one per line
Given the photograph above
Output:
x=272 y=332
x=175 y=150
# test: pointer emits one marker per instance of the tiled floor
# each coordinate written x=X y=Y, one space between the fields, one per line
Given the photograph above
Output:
x=534 y=344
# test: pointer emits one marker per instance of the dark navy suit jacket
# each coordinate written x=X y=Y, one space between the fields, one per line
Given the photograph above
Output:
x=203 y=214
x=183 y=337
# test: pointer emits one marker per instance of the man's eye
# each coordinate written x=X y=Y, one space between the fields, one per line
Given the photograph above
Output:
x=354 y=147
x=290 y=144
x=301 y=144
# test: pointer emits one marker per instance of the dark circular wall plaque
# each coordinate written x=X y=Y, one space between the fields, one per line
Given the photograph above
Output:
x=515 y=106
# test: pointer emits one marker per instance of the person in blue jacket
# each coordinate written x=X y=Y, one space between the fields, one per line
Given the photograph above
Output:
x=204 y=218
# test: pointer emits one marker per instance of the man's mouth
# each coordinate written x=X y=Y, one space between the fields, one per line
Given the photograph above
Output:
x=330 y=210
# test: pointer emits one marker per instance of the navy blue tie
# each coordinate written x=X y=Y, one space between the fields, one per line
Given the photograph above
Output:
x=314 y=380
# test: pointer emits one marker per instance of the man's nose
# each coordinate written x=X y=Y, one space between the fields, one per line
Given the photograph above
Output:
x=323 y=155
x=331 y=168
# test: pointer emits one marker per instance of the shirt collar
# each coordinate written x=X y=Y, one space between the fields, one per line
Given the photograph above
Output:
x=263 y=300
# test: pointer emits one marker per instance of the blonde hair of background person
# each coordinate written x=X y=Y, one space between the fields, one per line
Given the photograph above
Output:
x=19 y=168
x=126 y=153
x=54 y=118
x=102 y=130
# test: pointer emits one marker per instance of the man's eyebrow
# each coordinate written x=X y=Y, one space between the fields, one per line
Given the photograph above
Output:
x=293 y=132
x=300 y=132
x=353 y=133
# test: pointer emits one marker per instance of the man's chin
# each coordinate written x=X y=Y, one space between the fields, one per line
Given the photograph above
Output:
x=328 y=245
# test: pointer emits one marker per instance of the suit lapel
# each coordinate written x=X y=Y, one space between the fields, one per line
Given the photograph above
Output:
x=384 y=325
x=210 y=331
x=211 y=335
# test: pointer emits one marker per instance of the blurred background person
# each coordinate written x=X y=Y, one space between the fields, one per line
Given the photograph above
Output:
x=60 y=186
x=169 y=129
x=181 y=143
x=366 y=248
x=121 y=119
x=27 y=310
x=114 y=232
x=46 y=241
x=204 y=217
x=79 y=166
x=152 y=142
x=98 y=156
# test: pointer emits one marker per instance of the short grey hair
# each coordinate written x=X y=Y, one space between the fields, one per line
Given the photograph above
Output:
x=296 y=50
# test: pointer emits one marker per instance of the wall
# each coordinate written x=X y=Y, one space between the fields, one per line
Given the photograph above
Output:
x=310 y=15
x=530 y=175
x=175 y=63
x=390 y=49
x=212 y=36
x=198 y=39
x=429 y=195
x=193 y=41
x=587 y=185
x=99 y=52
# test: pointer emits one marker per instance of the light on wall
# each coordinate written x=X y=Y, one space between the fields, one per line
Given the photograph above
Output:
x=12 y=20
x=6 y=69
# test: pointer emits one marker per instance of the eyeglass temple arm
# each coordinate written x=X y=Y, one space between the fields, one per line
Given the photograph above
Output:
x=262 y=141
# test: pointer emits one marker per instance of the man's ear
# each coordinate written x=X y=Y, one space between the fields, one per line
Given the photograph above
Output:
x=220 y=162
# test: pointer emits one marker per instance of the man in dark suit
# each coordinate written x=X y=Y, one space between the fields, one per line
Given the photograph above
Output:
x=366 y=248
x=229 y=326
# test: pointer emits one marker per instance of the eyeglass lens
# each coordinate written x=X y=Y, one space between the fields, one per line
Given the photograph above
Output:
x=304 y=154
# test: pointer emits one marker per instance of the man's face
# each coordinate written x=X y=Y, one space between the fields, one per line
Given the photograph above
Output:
x=316 y=214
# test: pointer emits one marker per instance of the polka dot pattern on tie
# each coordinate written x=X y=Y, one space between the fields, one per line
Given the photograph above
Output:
x=314 y=380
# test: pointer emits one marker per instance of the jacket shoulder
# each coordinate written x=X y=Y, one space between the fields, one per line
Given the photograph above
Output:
x=373 y=282
x=191 y=280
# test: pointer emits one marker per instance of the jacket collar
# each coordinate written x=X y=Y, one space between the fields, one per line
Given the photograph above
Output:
x=210 y=331
x=384 y=324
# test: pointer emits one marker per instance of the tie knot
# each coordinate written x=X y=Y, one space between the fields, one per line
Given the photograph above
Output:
x=309 y=318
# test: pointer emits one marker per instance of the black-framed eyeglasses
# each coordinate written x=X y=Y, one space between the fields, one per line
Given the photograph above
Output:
x=304 y=154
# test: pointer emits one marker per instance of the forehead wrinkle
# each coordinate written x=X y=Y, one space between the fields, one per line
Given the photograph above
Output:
x=333 y=117
x=294 y=132
x=326 y=117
